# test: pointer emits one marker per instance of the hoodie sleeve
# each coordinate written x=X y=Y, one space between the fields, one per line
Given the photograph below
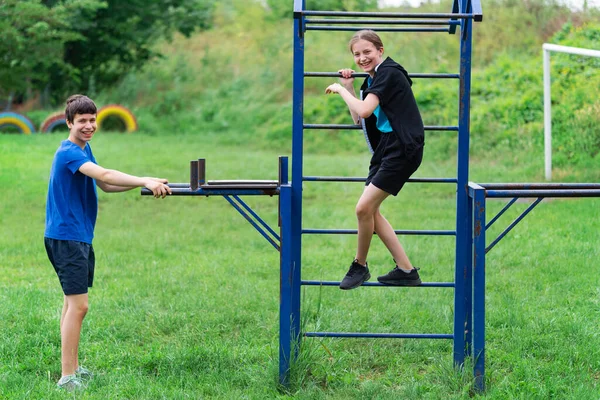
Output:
x=388 y=84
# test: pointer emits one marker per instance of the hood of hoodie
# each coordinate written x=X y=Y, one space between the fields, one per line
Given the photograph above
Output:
x=389 y=63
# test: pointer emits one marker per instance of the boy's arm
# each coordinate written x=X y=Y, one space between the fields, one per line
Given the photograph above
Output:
x=110 y=180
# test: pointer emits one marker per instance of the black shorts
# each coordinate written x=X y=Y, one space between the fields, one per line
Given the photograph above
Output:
x=73 y=262
x=391 y=165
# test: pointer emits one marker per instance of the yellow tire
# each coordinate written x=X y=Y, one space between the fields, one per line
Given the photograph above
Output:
x=115 y=110
x=12 y=121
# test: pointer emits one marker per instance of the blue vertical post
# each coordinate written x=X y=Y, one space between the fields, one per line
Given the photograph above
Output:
x=469 y=280
x=291 y=272
x=479 y=289
x=285 y=286
x=463 y=243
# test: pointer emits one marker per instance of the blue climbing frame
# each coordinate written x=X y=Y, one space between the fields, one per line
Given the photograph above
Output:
x=464 y=13
x=478 y=193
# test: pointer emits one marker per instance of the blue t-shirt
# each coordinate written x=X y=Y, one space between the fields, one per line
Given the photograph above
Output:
x=72 y=203
x=382 y=121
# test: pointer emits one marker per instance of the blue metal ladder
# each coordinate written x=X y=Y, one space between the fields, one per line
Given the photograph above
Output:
x=464 y=13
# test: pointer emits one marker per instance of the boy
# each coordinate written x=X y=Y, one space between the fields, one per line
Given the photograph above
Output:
x=71 y=210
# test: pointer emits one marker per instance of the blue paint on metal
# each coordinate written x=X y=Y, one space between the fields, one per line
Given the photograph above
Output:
x=468 y=282
x=514 y=223
x=359 y=179
x=506 y=207
x=354 y=232
x=286 y=334
x=364 y=75
x=251 y=221
x=380 y=335
x=352 y=126
x=378 y=29
x=334 y=283
x=462 y=16
x=479 y=289
x=462 y=242
x=332 y=21
x=544 y=193
x=257 y=217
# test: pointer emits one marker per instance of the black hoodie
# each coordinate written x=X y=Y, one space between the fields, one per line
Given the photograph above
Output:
x=392 y=86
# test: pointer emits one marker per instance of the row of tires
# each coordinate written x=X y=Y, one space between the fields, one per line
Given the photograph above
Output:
x=24 y=124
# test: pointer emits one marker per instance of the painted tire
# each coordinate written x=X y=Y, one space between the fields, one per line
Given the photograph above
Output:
x=52 y=121
x=117 y=111
x=17 y=120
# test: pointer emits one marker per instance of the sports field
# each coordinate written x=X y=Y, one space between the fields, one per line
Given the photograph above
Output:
x=186 y=296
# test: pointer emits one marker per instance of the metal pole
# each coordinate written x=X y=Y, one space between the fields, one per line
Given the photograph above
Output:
x=462 y=241
x=547 y=118
x=479 y=290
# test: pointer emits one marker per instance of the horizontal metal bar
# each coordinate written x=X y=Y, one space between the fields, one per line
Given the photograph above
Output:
x=364 y=75
x=333 y=283
x=209 y=184
x=351 y=126
x=543 y=193
x=378 y=29
x=221 y=191
x=359 y=179
x=380 y=335
x=316 y=13
x=571 y=50
x=398 y=232
x=540 y=185
x=383 y=21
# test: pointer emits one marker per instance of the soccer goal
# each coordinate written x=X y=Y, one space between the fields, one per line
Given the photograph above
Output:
x=547 y=98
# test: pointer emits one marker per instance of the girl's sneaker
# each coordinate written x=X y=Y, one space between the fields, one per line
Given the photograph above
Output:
x=70 y=383
x=83 y=373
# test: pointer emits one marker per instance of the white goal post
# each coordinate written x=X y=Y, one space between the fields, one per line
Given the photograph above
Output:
x=547 y=48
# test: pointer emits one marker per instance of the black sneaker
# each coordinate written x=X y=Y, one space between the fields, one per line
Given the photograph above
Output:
x=398 y=277
x=356 y=276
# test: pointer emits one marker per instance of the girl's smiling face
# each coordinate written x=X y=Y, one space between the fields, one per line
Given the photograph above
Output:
x=367 y=56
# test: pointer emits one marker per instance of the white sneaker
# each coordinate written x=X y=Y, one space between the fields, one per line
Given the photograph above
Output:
x=84 y=373
x=70 y=383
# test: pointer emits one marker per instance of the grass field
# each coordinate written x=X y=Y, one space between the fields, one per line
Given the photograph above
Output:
x=185 y=301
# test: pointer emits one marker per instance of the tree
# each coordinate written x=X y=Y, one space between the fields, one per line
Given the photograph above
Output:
x=32 y=39
x=120 y=37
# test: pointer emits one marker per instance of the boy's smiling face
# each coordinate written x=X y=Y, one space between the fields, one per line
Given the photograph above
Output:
x=82 y=129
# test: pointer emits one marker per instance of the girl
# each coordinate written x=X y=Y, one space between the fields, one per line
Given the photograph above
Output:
x=394 y=130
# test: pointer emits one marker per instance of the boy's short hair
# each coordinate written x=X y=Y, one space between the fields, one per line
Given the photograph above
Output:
x=79 y=104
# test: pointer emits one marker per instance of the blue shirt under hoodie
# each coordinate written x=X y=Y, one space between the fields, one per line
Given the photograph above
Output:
x=72 y=204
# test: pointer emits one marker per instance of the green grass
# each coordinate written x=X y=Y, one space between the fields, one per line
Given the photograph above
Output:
x=185 y=302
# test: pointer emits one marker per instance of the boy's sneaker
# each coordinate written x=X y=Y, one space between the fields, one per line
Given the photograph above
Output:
x=83 y=373
x=398 y=277
x=70 y=383
x=356 y=276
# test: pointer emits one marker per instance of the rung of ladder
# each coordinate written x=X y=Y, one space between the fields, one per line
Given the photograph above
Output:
x=380 y=335
x=316 y=13
x=379 y=29
x=351 y=126
x=359 y=179
x=333 y=283
x=383 y=21
x=364 y=75
x=398 y=232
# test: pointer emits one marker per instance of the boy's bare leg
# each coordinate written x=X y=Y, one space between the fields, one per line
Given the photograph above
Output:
x=64 y=311
x=367 y=207
x=70 y=331
x=387 y=235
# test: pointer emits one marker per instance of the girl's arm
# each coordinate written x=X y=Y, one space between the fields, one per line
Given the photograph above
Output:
x=347 y=81
x=362 y=108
